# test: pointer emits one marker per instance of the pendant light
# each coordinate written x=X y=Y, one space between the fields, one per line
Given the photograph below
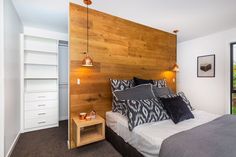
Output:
x=87 y=61
x=175 y=67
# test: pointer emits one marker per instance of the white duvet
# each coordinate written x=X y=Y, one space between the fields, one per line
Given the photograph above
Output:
x=147 y=138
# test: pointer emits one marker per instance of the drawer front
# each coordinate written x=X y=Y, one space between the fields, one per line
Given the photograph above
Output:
x=41 y=96
x=40 y=105
x=40 y=122
x=41 y=113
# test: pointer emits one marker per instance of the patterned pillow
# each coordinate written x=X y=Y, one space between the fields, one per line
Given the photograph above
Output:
x=121 y=84
x=182 y=95
x=160 y=83
x=118 y=105
x=144 y=111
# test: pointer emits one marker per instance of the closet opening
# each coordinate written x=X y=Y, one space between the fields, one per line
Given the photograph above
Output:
x=63 y=80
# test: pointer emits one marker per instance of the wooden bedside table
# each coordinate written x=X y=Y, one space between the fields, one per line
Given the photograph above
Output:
x=88 y=131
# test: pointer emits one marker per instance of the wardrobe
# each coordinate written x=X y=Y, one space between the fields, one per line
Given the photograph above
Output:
x=42 y=81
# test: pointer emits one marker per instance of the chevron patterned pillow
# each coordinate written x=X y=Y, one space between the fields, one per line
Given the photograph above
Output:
x=144 y=111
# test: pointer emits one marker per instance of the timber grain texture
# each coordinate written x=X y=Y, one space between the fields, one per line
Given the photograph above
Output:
x=120 y=49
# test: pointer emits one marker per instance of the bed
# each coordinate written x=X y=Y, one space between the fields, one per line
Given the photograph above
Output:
x=148 y=119
x=147 y=138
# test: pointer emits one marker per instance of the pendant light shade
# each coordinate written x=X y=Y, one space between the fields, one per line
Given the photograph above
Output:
x=87 y=61
x=175 y=68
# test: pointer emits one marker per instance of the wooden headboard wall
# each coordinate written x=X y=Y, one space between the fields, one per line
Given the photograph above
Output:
x=120 y=49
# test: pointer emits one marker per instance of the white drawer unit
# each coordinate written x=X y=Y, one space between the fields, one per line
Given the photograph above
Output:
x=40 y=122
x=41 y=113
x=39 y=96
x=39 y=83
x=40 y=105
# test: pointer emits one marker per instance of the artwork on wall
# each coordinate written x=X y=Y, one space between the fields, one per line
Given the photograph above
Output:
x=206 y=66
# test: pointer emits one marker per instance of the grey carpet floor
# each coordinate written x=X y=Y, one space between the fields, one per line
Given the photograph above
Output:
x=53 y=143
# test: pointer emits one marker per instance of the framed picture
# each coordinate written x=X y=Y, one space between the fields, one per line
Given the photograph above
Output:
x=206 y=66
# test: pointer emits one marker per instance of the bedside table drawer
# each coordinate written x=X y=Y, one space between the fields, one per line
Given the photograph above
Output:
x=41 y=96
x=39 y=122
x=40 y=105
x=41 y=113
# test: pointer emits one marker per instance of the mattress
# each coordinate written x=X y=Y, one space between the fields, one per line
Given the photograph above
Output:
x=147 y=138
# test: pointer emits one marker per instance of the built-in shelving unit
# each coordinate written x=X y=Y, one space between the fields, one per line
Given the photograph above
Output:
x=39 y=82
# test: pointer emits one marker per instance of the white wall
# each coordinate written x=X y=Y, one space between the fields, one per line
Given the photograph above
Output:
x=12 y=29
x=1 y=80
x=209 y=94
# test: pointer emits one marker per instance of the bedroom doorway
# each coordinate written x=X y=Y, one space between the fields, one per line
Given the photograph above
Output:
x=233 y=78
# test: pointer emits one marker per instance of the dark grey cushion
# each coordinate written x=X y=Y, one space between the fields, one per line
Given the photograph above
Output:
x=140 y=92
x=177 y=109
x=144 y=111
x=182 y=95
x=160 y=92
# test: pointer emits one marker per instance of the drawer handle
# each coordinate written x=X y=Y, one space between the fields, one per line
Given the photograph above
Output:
x=41 y=105
x=41 y=96
x=41 y=114
x=42 y=122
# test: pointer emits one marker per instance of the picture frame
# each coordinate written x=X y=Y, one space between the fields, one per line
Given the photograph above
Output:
x=206 y=66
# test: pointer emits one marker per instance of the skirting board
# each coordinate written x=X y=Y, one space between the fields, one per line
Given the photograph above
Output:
x=13 y=145
x=41 y=128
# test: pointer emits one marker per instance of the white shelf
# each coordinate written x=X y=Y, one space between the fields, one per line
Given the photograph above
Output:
x=40 y=71
x=38 y=58
x=42 y=84
x=41 y=78
x=45 y=64
x=40 y=51
x=41 y=91
x=40 y=44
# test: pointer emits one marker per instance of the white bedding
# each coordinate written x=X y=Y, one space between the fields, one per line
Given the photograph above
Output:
x=147 y=138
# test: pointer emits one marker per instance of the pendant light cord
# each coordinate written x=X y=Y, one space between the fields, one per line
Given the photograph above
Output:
x=87 y=29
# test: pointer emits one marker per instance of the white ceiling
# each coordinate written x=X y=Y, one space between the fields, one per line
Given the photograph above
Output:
x=44 y=14
x=194 y=18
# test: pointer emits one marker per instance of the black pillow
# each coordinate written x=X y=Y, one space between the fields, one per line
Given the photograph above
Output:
x=182 y=95
x=138 y=81
x=177 y=109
